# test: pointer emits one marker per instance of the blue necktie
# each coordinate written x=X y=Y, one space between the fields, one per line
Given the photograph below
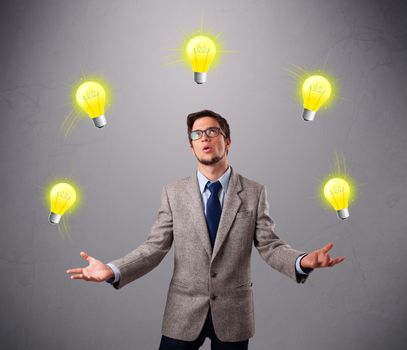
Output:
x=213 y=210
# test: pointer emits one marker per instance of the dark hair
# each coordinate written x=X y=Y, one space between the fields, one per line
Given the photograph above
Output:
x=223 y=123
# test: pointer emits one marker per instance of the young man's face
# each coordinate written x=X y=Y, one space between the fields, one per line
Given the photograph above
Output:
x=209 y=150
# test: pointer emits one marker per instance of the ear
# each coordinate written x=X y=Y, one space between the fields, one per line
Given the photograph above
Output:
x=228 y=142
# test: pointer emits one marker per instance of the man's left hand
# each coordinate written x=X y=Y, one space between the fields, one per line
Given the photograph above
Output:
x=320 y=258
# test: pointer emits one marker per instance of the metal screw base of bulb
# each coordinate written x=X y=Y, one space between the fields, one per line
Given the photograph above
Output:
x=343 y=214
x=200 y=77
x=54 y=218
x=100 y=121
x=308 y=115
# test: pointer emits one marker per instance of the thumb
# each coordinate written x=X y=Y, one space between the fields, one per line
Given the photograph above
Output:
x=85 y=256
x=327 y=248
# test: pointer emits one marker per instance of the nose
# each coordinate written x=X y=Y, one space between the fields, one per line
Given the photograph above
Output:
x=205 y=138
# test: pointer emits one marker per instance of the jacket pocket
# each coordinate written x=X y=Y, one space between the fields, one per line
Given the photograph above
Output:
x=244 y=214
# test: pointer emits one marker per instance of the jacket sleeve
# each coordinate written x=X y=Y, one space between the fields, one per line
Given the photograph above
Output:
x=274 y=251
x=150 y=253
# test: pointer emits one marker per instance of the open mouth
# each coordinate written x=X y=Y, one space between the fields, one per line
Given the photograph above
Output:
x=207 y=149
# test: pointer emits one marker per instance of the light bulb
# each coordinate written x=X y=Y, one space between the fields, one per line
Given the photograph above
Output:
x=336 y=192
x=62 y=197
x=200 y=52
x=91 y=96
x=316 y=90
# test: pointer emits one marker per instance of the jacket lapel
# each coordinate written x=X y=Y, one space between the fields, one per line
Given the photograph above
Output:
x=197 y=212
x=231 y=205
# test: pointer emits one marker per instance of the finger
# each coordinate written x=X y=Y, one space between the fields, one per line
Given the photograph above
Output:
x=335 y=261
x=81 y=276
x=327 y=248
x=339 y=259
x=85 y=256
x=76 y=271
x=77 y=277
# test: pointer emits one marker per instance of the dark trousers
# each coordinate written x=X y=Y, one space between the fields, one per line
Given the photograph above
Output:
x=207 y=331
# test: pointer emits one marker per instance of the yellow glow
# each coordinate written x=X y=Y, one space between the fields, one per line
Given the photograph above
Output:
x=91 y=97
x=337 y=193
x=200 y=52
x=47 y=193
x=202 y=41
x=300 y=75
x=62 y=197
x=76 y=114
x=338 y=190
x=316 y=90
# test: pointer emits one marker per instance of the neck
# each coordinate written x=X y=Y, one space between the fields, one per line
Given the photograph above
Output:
x=214 y=171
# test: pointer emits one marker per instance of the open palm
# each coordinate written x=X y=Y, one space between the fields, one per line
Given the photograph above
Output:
x=96 y=271
x=320 y=258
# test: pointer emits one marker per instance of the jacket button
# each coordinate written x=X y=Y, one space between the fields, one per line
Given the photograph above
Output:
x=213 y=296
x=213 y=274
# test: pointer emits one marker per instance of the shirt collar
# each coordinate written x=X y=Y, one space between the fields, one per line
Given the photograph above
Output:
x=224 y=180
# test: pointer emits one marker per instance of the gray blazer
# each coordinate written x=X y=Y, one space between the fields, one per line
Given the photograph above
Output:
x=201 y=279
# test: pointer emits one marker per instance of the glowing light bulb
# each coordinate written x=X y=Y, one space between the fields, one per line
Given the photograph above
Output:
x=316 y=90
x=336 y=192
x=200 y=52
x=62 y=197
x=91 y=96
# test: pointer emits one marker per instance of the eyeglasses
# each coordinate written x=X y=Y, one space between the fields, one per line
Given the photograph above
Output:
x=210 y=132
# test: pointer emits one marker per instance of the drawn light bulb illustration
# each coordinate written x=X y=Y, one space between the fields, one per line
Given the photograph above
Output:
x=91 y=96
x=200 y=52
x=336 y=192
x=316 y=90
x=62 y=197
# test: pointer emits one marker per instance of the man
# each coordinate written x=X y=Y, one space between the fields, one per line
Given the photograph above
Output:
x=213 y=218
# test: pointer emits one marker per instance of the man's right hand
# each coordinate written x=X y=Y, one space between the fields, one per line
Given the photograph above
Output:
x=96 y=271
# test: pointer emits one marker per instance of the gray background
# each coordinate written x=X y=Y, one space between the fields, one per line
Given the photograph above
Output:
x=47 y=45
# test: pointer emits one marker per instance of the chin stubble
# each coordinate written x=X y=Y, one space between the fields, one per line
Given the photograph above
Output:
x=211 y=161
